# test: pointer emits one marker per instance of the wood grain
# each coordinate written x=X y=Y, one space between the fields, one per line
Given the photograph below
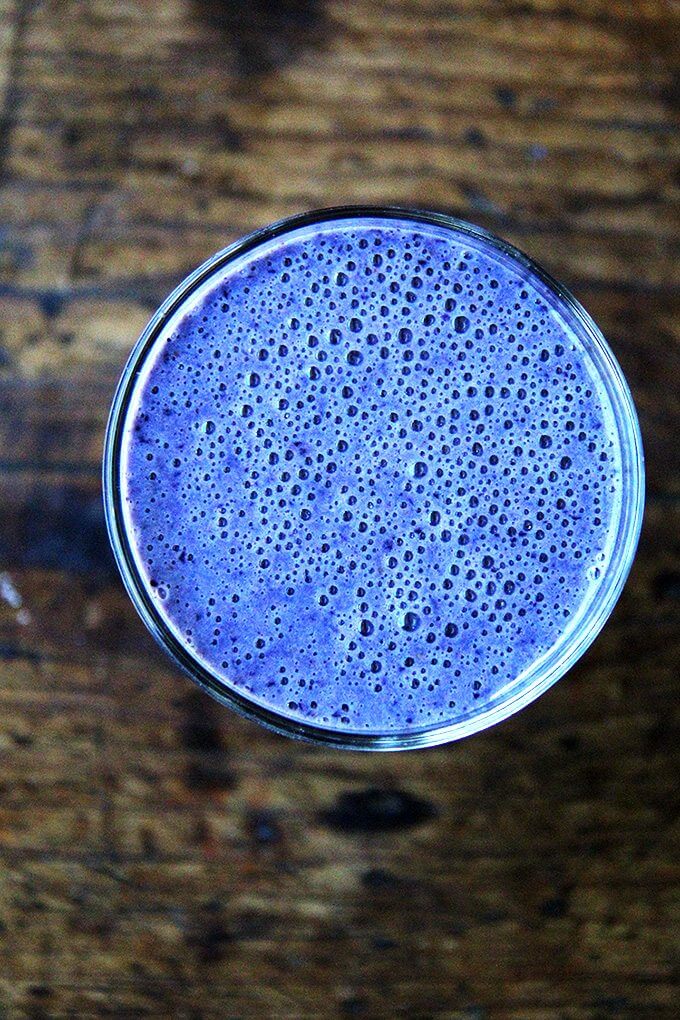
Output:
x=161 y=857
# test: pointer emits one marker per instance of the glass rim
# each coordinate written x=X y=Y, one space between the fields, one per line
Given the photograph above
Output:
x=551 y=668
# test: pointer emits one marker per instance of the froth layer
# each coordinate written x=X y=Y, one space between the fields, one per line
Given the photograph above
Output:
x=371 y=475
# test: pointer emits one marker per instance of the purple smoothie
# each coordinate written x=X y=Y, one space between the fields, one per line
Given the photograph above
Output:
x=373 y=475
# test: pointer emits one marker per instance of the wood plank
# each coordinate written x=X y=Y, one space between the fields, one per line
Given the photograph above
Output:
x=161 y=857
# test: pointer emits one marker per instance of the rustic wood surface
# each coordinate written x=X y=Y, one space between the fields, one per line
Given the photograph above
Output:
x=160 y=857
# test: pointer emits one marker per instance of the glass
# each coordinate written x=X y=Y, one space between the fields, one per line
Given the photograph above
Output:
x=606 y=574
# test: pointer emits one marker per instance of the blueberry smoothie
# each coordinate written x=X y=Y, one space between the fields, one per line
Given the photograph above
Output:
x=374 y=478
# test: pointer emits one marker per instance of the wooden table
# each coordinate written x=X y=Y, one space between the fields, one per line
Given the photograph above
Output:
x=159 y=856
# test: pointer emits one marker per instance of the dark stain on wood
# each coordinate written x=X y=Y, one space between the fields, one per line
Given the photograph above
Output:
x=570 y=742
x=555 y=907
x=12 y=653
x=59 y=529
x=41 y=991
x=206 y=776
x=208 y=768
x=72 y=135
x=265 y=35
x=474 y=137
x=505 y=96
x=356 y=1006
x=611 y=1005
x=200 y=730
x=22 y=739
x=264 y=828
x=670 y=93
x=209 y=775
x=52 y=303
x=209 y=935
x=663 y=733
x=380 y=880
x=666 y=585
x=229 y=137
x=378 y=810
x=148 y=842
